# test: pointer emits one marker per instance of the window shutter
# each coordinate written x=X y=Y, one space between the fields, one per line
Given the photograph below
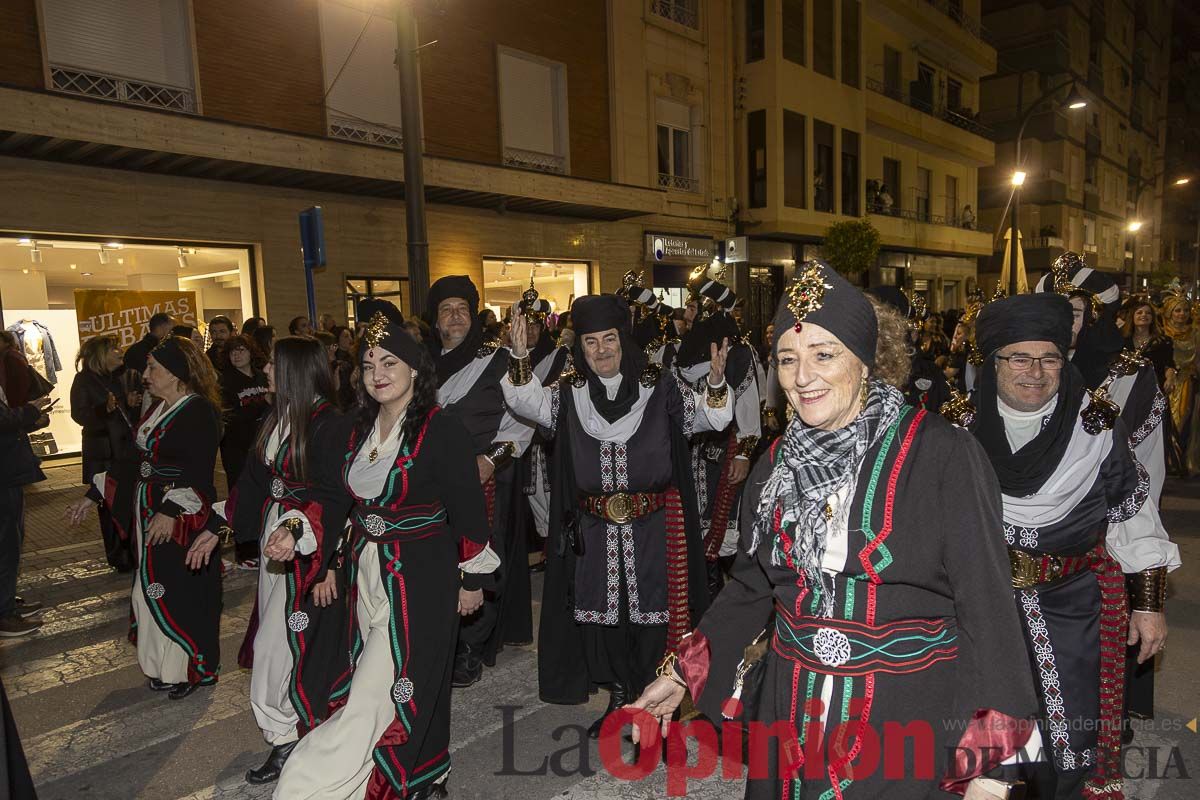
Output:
x=366 y=91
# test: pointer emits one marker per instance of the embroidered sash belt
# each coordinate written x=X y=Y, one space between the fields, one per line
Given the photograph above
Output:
x=383 y=524
x=150 y=472
x=1032 y=569
x=621 y=508
x=851 y=649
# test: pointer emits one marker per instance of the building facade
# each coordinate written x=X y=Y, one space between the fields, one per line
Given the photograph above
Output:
x=848 y=109
x=1091 y=171
x=1181 y=207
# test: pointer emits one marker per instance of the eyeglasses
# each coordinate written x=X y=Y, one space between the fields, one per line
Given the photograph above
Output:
x=1022 y=363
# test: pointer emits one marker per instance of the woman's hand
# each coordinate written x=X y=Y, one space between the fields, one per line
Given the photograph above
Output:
x=76 y=511
x=469 y=601
x=716 y=369
x=160 y=529
x=739 y=468
x=134 y=399
x=201 y=550
x=660 y=700
x=325 y=592
x=280 y=545
x=110 y=403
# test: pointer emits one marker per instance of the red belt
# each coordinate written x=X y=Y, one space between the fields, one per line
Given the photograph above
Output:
x=621 y=508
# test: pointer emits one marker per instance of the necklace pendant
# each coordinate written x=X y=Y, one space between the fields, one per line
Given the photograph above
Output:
x=374 y=454
x=828 y=512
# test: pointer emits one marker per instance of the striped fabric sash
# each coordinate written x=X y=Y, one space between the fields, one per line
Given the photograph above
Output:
x=848 y=648
x=383 y=524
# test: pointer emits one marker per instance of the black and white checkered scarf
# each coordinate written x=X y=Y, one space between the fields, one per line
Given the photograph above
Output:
x=811 y=465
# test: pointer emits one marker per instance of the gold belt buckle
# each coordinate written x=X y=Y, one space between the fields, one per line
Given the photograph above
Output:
x=1025 y=572
x=618 y=508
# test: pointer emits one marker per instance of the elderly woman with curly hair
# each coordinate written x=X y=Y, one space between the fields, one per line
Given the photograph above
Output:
x=872 y=559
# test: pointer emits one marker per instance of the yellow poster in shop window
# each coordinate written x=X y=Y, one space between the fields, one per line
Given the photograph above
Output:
x=126 y=313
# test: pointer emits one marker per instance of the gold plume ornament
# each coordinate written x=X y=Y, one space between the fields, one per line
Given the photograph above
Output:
x=529 y=305
x=697 y=279
x=806 y=292
x=632 y=280
x=376 y=329
x=959 y=409
x=999 y=294
x=1060 y=272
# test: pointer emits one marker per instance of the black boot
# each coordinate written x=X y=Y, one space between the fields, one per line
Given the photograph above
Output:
x=182 y=690
x=273 y=766
x=160 y=686
x=468 y=667
x=617 y=697
x=430 y=791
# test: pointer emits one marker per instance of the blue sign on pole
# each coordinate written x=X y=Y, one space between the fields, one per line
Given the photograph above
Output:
x=312 y=246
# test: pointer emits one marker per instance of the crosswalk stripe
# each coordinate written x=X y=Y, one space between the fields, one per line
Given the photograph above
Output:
x=43 y=579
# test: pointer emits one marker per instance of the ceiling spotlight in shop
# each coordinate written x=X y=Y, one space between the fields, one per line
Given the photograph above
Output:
x=24 y=242
x=72 y=266
x=103 y=256
x=86 y=274
x=35 y=255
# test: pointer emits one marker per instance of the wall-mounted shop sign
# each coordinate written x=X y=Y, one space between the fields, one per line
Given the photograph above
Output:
x=126 y=313
x=663 y=248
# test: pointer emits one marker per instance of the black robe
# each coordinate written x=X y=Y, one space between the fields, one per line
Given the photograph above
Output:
x=315 y=634
x=430 y=517
x=619 y=582
x=924 y=552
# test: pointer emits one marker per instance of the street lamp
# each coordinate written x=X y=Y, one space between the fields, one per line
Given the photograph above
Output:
x=1074 y=102
x=1182 y=181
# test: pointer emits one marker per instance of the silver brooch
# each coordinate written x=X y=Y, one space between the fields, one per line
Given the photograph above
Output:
x=402 y=692
x=297 y=621
x=277 y=488
x=374 y=525
x=832 y=647
x=155 y=591
x=146 y=469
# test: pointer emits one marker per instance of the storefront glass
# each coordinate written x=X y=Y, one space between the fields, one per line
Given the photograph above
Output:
x=55 y=293
x=559 y=282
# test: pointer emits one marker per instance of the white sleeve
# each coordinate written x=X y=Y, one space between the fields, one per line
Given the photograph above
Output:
x=707 y=417
x=306 y=544
x=1151 y=454
x=530 y=401
x=746 y=411
x=186 y=499
x=1141 y=542
x=98 y=481
x=514 y=430
x=483 y=562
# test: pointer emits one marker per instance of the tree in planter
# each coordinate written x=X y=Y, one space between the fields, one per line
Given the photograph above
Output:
x=851 y=247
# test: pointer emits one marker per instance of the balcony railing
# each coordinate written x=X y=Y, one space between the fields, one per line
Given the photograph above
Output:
x=1039 y=242
x=122 y=90
x=355 y=130
x=954 y=10
x=682 y=183
x=682 y=12
x=538 y=162
x=938 y=109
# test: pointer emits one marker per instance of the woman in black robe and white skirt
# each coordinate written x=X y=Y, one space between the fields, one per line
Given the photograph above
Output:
x=417 y=558
x=872 y=553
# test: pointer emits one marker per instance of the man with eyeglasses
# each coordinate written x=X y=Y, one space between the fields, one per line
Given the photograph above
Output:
x=1077 y=520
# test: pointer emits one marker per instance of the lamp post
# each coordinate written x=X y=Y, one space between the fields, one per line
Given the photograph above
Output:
x=414 y=174
x=1133 y=227
x=1074 y=102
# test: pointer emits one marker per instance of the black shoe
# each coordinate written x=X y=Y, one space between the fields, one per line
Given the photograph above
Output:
x=182 y=690
x=468 y=668
x=272 y=767
x=16 y=625
x=616 y=698
x=430 y=791
x=25 y=608
x=160 y=686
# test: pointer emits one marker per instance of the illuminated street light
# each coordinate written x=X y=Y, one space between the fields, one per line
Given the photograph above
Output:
x=1182 y=181
x=1018 y=178
x=1135 y=226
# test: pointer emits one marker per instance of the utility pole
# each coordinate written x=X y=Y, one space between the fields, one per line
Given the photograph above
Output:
x=414 y=175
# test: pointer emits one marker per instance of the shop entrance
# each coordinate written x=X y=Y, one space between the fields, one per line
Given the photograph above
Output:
x=559 y=282
x=56 y=292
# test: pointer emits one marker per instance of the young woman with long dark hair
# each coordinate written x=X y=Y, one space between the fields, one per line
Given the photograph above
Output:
x=245 y=397
x=418 y=558
x=290 y=499
x=167 y=492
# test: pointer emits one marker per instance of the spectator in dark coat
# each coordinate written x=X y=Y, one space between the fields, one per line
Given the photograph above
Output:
x=135 y=357
x=14 y=370
x=220 y=328
x=107 y=413
x=19 y=467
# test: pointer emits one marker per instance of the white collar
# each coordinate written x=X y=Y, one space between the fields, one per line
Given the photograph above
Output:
x=611 y=385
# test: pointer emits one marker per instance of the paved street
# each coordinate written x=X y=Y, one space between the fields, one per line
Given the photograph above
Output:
x=91 y=729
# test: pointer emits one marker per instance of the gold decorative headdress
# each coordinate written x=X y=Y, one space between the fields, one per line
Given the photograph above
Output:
x=1061 y=277
x=533 y=310
x=376 y=330
x=806 y=292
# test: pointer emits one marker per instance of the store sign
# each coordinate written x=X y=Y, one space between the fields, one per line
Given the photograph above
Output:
x=126 y=313
x=664 y=249
x=737 y=250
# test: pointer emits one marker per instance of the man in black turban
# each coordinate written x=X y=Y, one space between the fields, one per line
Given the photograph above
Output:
x=624 y=572
x=1077 y=520
x=469 y=371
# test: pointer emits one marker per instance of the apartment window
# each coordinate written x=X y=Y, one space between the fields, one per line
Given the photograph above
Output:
x=850 y=39
x=922 y=89
x=359 y=287
x=951 y=200
x=924 y=184
x=362 y=84
x=128 y=51
x=674 y=141
x=824 y=37
x=849 y=173
x=682 y=12
x=533 y=111
x=793 y=30
x=891 y=72
x=795 y=171
x=891 y=182
x=756 y=39
x=954 y=96
x=1089 y=234
x=756 y=145
x=823 y=175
